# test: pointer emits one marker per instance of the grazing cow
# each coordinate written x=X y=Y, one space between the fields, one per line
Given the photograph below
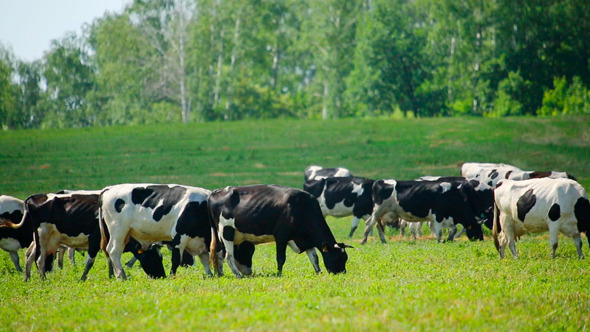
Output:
x=447 y=201
x=538 y=205
x=318 y=172
x=64 y=219
x=491 y=174
x=343 y=196
x=151 y=213
x=11 y=240
x=271 y=213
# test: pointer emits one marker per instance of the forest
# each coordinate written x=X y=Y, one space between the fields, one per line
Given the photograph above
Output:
x=214 y=60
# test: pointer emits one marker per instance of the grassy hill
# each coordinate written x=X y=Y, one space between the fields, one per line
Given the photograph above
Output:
x=400 y=285
x=218 y=154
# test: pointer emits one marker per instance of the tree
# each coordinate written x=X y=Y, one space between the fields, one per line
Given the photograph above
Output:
x=8 y=91
x=165 y=26
x=330 y=28
x=69 y=76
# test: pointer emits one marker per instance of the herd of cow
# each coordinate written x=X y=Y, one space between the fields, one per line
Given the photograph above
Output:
x=227 y=223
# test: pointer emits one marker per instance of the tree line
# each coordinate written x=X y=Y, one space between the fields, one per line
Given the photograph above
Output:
x=204 y=60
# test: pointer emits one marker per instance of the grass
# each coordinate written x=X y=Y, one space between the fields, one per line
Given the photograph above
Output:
x=401 y=285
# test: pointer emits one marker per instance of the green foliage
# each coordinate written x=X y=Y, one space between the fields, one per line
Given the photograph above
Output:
x=564 y=99
x=8 y=92
x=510 y=91
x=305 y=59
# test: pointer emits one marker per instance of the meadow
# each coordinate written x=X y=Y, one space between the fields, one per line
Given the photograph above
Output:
x=400 y=285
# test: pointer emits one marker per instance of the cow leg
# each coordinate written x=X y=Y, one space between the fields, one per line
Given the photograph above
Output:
x=452 y=232
x=29 y=259
x=353 y=226
x=93 y=249
x=553 y=234
x=115 y=250
x=72 y=255
x=413 y=229
x=175 y=260
x=41 y=261
x=110 y=265
x=508 y=231
x=15 y=260
x=437 y=230
x=60 y=257
x=227 y=233
x=402 y=227
x=281 y=256
x=204 y=258
x=369 y=228
x=313 y=258
x=89 y=264
x=578 y=243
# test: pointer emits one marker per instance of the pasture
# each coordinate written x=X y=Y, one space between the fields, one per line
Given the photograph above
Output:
x=400 y=285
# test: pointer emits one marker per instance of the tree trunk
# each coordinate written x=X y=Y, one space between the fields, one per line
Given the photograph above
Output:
x=326 y=96
x=234 y=55
x=185 y=104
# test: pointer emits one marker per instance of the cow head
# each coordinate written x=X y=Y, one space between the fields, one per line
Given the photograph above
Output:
x=335 y=257
x=474 y=232
x=480 y=197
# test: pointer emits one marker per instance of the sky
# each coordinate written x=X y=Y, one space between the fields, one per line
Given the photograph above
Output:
x=28 y=26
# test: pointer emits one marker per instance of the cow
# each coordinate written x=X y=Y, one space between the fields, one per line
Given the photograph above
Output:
x=11 y=240
x=66 y=219
x=538 y=205
x=314 y=172
x=343 y=196
x=491 y=173
x=447 y=201
x=152 y=213
x=271 y=213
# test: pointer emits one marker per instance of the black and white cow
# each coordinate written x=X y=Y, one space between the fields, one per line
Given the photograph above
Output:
x=70 y=220
x=492 y=173
x=538 y=205
x=270 y=213
x=152 y=213
x=11 y=239
x=446 y=201
x=314 y=172
x=343 y=196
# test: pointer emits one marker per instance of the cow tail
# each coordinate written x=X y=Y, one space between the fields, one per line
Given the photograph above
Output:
x=496 y=226
x=9 y=224
x=213 y=251
x=104 y=232
x=213 y=261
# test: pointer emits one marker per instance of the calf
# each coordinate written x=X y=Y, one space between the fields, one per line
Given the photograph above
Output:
x=538 y=205
x=11 y=240
x=151 y=213
x=318 y=172
x=447 y=201
x=271 y=213
x=343 y=196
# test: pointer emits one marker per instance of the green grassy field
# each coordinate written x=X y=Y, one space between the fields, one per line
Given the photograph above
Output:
x=400 y=285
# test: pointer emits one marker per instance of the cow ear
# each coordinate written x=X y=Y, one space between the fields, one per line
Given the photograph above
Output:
x=325 y=247
x=344 y=245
